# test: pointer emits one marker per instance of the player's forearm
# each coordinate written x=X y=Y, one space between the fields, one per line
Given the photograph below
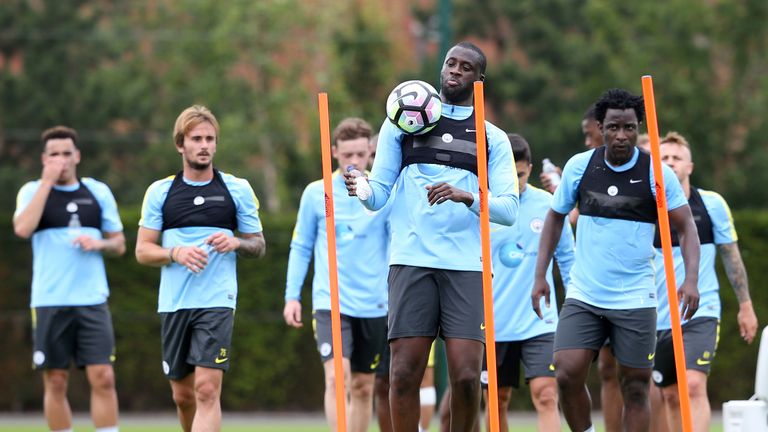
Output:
x=25 y=224
x=550 y=235
x=690 y=249
x=252 y=246
x=735 y=270
x=113 y=245
x=154 y=255
x=501 y=210
x=298 y=265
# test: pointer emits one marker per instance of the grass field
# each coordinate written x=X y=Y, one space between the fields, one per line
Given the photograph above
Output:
x=143 y=426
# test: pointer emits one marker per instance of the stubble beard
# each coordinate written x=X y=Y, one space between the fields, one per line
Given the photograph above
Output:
x=456 y=95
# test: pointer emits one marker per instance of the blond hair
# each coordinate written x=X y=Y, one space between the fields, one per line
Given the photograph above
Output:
x=189 y=119
x=673 y=137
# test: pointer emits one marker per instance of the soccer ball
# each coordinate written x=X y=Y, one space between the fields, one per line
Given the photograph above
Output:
x=414 y=107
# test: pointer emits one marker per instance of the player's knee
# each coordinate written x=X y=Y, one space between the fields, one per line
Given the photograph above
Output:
x=102 y=379
x=361 y=388
x=545 y=397
x=206 y=392
x=504 y=396
x=634 y=390
x=183 y=397
x=567 y=380
x=466 y=385
x=670 y=396
x=56 y=382
x=381 y=386
x=403 y=380
x=697 y=385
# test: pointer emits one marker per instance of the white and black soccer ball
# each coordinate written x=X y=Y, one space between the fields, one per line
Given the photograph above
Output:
x=414 y=107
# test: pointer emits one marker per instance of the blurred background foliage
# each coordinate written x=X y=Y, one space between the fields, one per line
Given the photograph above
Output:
x=121 y=71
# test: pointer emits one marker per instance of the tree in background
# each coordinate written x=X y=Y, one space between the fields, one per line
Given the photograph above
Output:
x=119 y=70
x=708 y=60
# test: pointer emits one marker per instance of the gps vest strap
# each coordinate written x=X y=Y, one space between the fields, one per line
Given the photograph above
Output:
x=452 y=143
x=700 y=217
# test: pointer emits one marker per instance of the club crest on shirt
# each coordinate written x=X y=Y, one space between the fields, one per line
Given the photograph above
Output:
x=447 y=137
x=344 y=233
x=613 y=190
x=198 y=200
x=72 y=207
x=537 y=224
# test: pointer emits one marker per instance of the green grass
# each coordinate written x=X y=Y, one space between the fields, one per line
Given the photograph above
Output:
x=258 y=426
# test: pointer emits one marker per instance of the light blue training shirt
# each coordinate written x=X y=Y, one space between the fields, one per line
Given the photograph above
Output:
x=613 y=268
x=62 y=274
x=362 y=252
x=216 y=285
x=447 y=235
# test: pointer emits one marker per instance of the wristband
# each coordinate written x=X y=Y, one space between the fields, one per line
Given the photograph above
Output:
x=170 y=254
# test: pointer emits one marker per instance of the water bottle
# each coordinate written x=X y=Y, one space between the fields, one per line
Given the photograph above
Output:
x=548 y=168
x=361 y=183
x=73 y=227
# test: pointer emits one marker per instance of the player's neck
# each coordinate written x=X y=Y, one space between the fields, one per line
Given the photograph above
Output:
x=198 y=175
x=686 y=184
x=69 y=181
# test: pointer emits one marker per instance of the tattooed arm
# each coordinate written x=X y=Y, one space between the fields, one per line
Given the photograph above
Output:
x=737 y=275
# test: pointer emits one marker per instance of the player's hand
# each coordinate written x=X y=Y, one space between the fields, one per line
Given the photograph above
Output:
x=292 y=313
x=540 y=289
x=688 y=299
x=747 y=321
x=52 y=169
x=88 y=244
x=349 y=181
x=192 y=257
x=546 y=182
x=439 y=193
x=223 y=243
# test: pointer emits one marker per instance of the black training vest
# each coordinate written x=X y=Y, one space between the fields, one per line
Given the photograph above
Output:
x=62 y=206
x=451 y=142
x=210 y=205
x=626 y=195
x=700 y=217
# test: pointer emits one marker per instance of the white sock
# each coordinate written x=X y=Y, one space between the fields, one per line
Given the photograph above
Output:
x=428 y=396
x=108 y=429
x=591 y=429
x=421 y=429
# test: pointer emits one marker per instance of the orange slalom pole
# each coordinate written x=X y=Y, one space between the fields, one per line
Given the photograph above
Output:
x=666 y=245
x=330 y=229
x=485 y=245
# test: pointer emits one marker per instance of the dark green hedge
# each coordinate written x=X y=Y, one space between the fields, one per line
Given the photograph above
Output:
x=274 y=367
